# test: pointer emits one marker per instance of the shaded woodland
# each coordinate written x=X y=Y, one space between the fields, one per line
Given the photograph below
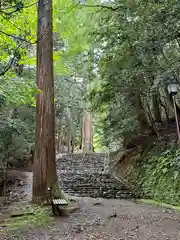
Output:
x=94 y=79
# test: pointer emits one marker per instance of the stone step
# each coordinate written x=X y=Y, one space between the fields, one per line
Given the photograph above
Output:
x=90 y=182
x=88 y=186
x=83 y=175
x=88 y=174
x=98 y=194
x=85 y=186
x=93 y=161
x=97 y=191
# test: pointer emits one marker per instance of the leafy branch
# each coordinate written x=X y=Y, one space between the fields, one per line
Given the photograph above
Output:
x=102 y=6
x=16 y=37
x=11 y=62
x=18 y=7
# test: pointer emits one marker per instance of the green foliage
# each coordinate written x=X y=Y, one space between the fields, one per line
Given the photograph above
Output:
x=40 y=217
x=137 y=55
x=160 y=204
x=18 y=88
x=72 y=24
x=70 y=105
x=160 y=176
x=18 y=91
x=17 y=127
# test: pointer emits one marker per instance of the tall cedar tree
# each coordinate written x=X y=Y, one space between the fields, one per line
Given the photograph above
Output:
x=44 y=166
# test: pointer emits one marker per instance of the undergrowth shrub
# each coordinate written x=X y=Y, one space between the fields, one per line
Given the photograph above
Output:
x=16 y=133
x=160 y=175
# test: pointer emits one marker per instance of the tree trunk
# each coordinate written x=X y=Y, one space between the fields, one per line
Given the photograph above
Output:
x=81 y=138
x=72 y=144
x=151 y=121
x=44 y=168
x=165 y=107
x=141 y=114
x=69 y=141
x=87 y=140
x=59 y=142
x=156 y=107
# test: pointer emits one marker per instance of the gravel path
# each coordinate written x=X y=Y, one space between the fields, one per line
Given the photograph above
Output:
x=118 y=219
x=108 y=219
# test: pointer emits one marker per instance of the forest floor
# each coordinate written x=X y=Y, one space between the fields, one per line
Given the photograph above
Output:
x=95 y=219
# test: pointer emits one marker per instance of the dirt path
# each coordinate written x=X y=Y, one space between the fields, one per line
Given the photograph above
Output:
x=133 y=221
x=96 y=220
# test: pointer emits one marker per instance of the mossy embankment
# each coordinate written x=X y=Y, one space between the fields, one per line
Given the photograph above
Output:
x=159 y=175
x=153 y=169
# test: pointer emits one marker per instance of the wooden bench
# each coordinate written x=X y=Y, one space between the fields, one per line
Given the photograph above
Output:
x=60 y=202
x=56 y=203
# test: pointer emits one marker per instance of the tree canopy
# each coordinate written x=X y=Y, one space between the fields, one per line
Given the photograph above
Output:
x=113 y=57
x=138 y=43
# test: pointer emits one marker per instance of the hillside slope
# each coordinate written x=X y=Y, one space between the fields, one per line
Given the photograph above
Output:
x=152 y=165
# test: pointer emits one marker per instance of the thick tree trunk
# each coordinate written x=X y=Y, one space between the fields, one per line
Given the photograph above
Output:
x=44 y=167
x=87 y=139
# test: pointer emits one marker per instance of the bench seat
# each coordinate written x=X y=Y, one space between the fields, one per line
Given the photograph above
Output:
x=60 y=202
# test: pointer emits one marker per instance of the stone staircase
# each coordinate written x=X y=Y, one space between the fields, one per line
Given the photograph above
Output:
x=84 y=175
x=91 y=162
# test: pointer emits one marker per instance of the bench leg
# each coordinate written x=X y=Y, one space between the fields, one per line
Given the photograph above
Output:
x=55 y=209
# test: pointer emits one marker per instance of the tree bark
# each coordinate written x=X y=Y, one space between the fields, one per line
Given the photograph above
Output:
x=73 y=139
x=156 y=107
x=141 y=113
x=87 y=139
x=81 y=138
x=69 y=141
x=44 y=167
x=59 y=142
